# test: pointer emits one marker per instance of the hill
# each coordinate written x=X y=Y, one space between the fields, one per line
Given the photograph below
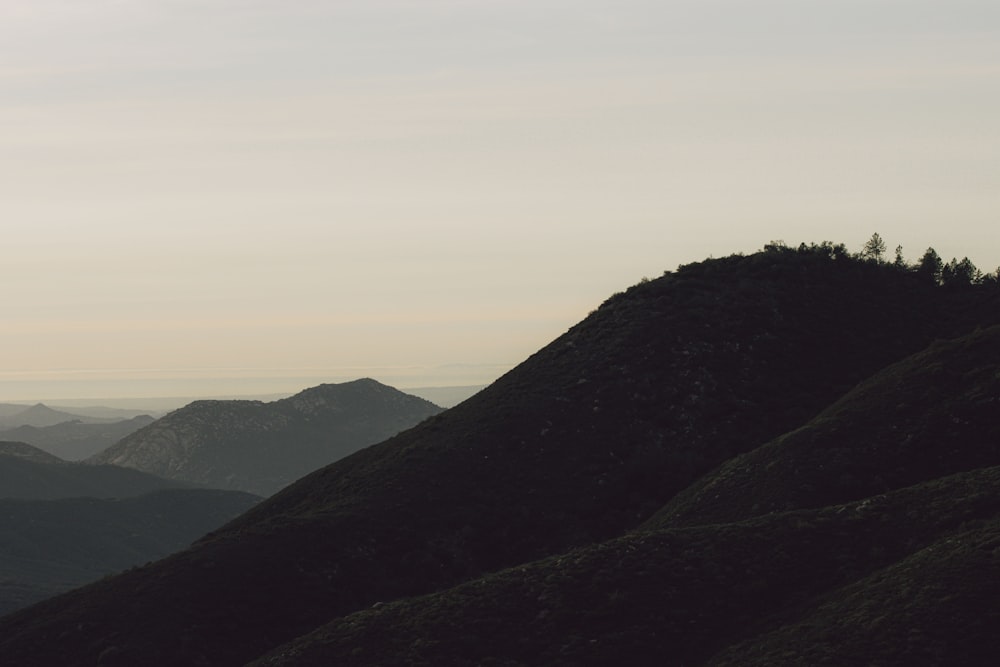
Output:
x=930 y=415
x=22 y=451
x=29 y=473
x=916 y=449
x=828 y=582
x=261 y=447
x=76 y=440
x=50 y=546
x=561 y=458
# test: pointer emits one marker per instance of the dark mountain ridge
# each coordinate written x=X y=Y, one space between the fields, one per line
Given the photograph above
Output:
x=579 y=444
x=695 y=595
x=736 y=554
x=260 y=447
x=929 y=415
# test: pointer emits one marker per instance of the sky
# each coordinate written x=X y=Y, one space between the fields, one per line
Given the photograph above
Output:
x=229 y=197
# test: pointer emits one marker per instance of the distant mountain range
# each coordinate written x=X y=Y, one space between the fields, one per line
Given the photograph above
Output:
x=66 y=524
x=85 y=412
x=27 y=472
x=39 y=415
x=790 y=457
x=76 y=440
x=261 y=447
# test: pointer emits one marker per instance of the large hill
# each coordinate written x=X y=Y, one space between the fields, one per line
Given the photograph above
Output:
x=841 y=572
x=261 y=447
x=558 y=479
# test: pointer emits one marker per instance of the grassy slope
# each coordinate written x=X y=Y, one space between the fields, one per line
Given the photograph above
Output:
x=583 y=441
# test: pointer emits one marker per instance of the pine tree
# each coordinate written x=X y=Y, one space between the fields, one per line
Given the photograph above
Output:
x=874 y=248
x=930 y=267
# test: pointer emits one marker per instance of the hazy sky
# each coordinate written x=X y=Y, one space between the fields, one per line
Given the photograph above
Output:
x=236 y=196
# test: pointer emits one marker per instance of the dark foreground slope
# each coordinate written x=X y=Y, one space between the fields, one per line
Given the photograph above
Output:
x=721 y=592
x=50 y=546
x=932 y=414
x=583 y=441
x=853 y=583
x=261 y=447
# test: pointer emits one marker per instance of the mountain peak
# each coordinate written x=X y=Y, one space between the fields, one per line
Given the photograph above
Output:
x=261 y=447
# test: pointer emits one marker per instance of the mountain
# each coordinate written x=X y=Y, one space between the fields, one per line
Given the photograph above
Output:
x=50 y=546
x=531 y=524
x=891 y=475
x=39 y=415
x=76 y=440
x=22 y=451
x=27 y=472
x=261 y=447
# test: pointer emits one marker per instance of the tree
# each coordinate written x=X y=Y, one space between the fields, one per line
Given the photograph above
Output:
x=992 y=279
x=899 y=262
x=960 y=273
x=874 y=249
x=930 y=267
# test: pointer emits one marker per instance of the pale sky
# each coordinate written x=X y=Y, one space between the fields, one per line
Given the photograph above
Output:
x=246 y=196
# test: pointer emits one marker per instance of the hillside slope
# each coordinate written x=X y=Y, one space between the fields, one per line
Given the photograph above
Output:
x=50 y=546
x=929 y=415
x=261 y=447
x=742 y=568
x=720 y=592
x=580 y=443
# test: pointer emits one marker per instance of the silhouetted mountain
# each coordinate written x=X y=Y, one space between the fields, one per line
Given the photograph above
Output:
x=50 y=546
x=75 y=440
x=27 y=472
x=544 y=478
x=261 y=447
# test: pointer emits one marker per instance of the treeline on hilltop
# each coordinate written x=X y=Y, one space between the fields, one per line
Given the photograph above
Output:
x=931 y=268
